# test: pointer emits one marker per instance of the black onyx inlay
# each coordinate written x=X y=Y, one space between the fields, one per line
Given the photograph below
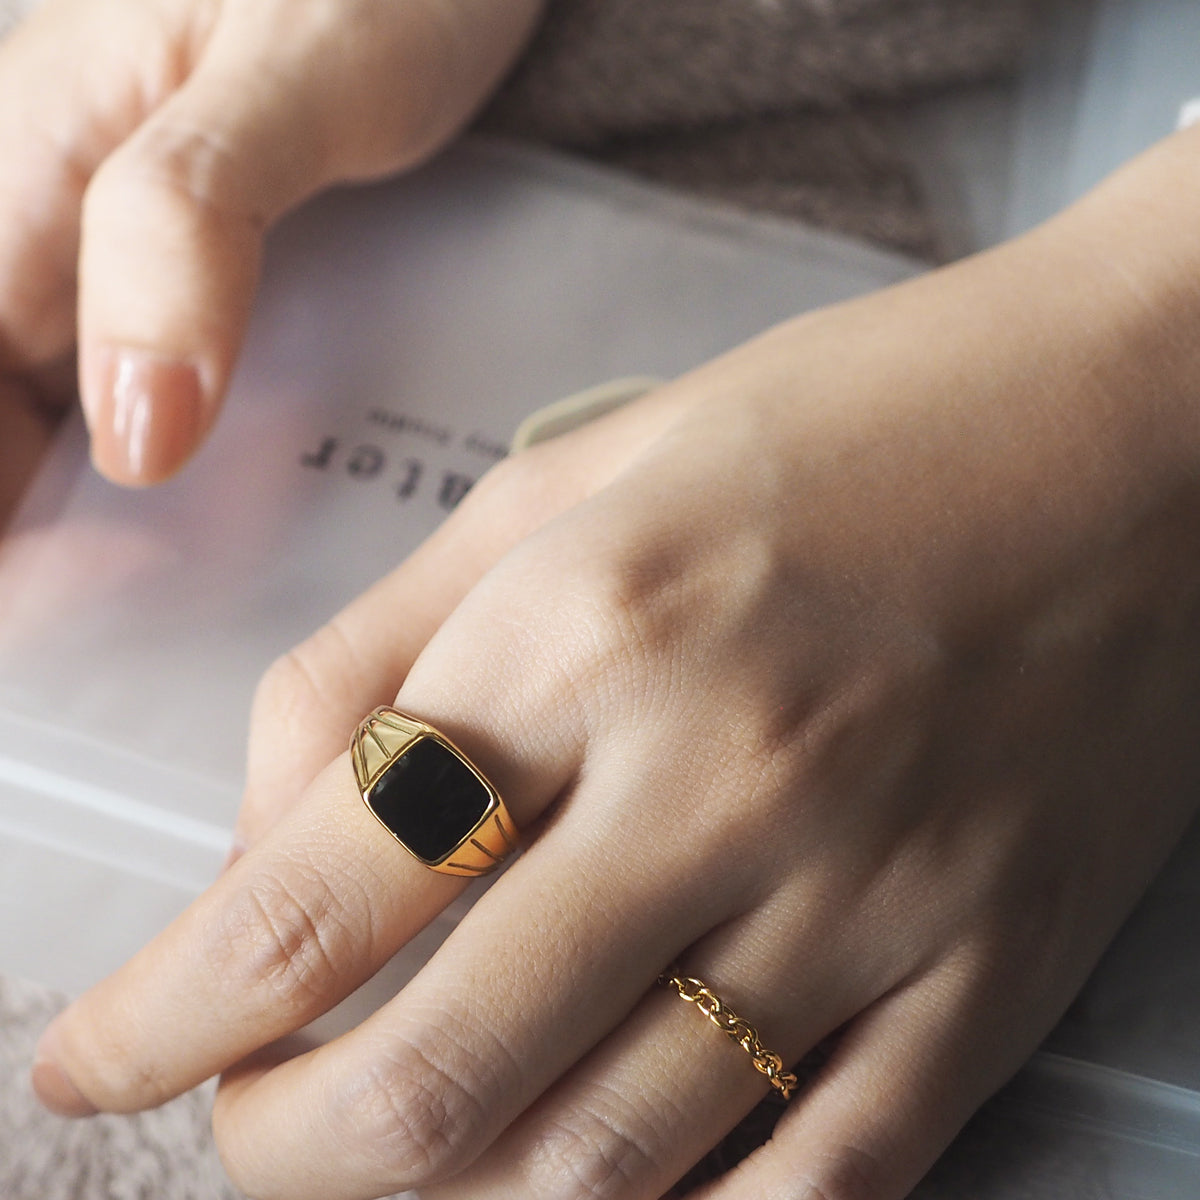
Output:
x=430 y=799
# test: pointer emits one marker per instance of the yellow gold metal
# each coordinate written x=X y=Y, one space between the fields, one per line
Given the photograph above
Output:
x=383 y=737
x=694 y=991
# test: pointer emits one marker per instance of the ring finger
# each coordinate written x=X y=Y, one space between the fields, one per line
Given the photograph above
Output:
x=669 y=1083
x=540 y=976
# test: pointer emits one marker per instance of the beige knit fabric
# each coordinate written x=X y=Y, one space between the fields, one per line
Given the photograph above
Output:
x=166 y=1154
x=785 y=105
x=605 y=69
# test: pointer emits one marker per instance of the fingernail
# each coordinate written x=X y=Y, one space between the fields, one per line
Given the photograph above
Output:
x=145 y=415
x=52 y=1085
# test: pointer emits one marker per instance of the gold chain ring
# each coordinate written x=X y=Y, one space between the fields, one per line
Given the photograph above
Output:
x=768 y=1063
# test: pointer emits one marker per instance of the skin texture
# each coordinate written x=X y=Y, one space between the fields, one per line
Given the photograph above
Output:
x=854 y=671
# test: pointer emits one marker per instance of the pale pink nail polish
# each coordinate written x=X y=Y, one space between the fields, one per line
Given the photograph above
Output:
x=145 y=415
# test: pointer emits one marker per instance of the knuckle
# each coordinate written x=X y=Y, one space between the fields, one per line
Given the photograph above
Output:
x=299 y=688
x=592 y=1155
x=287 y=689
x=642 y=587
x=186 y=173
x=622 y=612
x=577 y=654
x=290 y=937
x=848 y=1173
x=514 y=494
x=416 y=1119
x=116 y=1073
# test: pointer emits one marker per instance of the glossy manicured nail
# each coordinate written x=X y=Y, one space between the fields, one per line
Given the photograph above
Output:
x=52 y=1085
x=145 y=416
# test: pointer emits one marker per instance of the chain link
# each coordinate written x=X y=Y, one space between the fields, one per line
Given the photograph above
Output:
x=696 y=992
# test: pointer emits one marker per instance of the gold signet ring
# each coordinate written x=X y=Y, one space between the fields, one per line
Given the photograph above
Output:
x=429 y=795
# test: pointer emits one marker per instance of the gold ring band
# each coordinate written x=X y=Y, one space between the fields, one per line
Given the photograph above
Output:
x=429 y=795
x=766 y=1062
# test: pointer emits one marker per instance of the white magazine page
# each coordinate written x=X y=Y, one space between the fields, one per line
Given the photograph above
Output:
x=402 y=333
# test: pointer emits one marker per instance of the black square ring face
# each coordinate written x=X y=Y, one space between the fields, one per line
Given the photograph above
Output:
x=430 y=799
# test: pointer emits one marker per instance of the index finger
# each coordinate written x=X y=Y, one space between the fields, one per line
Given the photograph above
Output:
x=298 y=923
x=324 y=899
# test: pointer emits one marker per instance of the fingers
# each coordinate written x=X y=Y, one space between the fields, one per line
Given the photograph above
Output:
x=310 y=701
x=73 y=77
x=548 y=964
x=904 y=1079
x=303 y=919
x=323 y=901
x=666 y=1085
x=308 y=704
x=283 y=101
x=550 y=978
x=649 y=1102
x=173 y=225
x=175 y=133
x=659 y=1093
x=505 y=1007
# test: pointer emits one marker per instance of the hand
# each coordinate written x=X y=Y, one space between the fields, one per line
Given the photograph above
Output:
x=854 y=672
x=145 y=148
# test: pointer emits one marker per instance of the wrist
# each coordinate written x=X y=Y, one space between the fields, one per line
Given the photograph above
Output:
x=1129 y=252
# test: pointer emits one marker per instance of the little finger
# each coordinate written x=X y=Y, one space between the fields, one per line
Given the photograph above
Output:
x=905 y=1077
x=673 y=1079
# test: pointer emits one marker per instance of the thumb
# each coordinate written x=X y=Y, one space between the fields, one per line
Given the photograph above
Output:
x=284 y=100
